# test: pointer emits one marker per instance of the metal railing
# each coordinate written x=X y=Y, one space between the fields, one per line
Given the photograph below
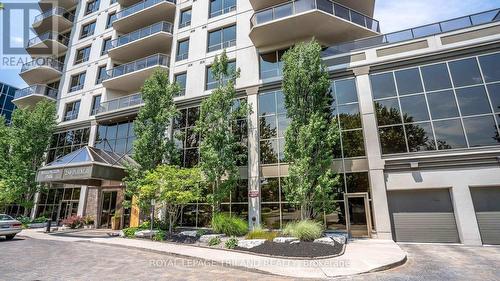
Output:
x=414 y=33
x=38 y=62
x=222 y=45
x=120 y=103
x=222 y=11
x=154 y=60
x=139 y=7
x=59 y=11
x=300 y=6
x=49 y=36
x=37 y=89
x=141 y=33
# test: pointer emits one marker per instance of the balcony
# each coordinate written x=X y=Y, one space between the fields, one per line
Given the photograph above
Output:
x=46 y=5
x=41 y=70
x=50 y=43
x=57 y=19
x=124 y=104
x=329 y=22
x=143 y=14
x=126 y=3
x=32 y=95
x=130 y=77
x=156 y=38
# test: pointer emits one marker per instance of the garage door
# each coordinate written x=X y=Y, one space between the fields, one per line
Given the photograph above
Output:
x=422 y=216
x=487 y=206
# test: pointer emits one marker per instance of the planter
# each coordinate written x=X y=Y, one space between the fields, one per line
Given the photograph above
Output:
x=115 y=223
x=37 y=225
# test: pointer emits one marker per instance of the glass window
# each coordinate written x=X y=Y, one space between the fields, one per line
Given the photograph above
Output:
x=383 y=85
x=442 y=104
x=494 y=91
x=267 y=104
x=220 y=7
x=82 y=55
x=269 y=189
x=489 y=66
x=345 y=91
x=388 y=112
x=185 y=18
x=96 y=103
x=87 y=30
x=414 y=108
x=409 y=81
x=349 y=116
x=420 y=137
x=465 y=72
x=221 y=38
x=71 y=111
x=182 y=50
x=436 y=77
x=473 y=101
x=353 y=143
x=269 y=151
x=392 y=140
x=101 y=74
x=268 y=127
x=481 y=131
x=111 y=19
x=181 y=80
x=106 y=45
x=77 y=82
x=211 y=83
x=92 y=6
x=449 y=134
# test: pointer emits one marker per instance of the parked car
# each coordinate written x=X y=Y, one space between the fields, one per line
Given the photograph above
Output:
x=9 y=227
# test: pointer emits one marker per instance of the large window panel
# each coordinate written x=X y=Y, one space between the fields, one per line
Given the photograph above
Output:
x=442 y=104
x=383 y=85
x=269 y=151
x=392 y=140
x=268 y=127
x=353 y=143
x=420 y=137
x=465 y=72
x=494 y=91
x=388 y=112
x=414 y=108
x=473 y=101
x=349 y=116
x=267 y=104
x=449 y=134
x=490 y=67
x=345 y=91
x=481 y=131
x=409 y=81
x=436 y=77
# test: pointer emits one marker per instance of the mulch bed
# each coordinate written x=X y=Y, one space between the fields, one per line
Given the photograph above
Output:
x=177 y=238
x=299 y=250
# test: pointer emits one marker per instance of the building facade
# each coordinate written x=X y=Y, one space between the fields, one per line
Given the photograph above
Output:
x=6 y=96
x=419 y=109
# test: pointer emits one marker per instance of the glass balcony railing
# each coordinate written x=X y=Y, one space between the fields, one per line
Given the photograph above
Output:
x=327 y=6
x=120 y=103
x=39 y=62
x=55 y=12
x=139 y=7
x=141 y=33
x=49 y=36
x=414 y=33
x=42 y=90
x=154 y=60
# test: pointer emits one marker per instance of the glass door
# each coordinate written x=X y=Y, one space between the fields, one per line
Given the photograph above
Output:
x=108 y=208
x=358 y=215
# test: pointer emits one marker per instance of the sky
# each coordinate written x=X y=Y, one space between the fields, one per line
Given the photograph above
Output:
x=393 y=15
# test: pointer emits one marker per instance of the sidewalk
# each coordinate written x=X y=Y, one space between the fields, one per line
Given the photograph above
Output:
x=360 y=256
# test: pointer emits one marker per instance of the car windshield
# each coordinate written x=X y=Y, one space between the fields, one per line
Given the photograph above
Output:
x=5 y=218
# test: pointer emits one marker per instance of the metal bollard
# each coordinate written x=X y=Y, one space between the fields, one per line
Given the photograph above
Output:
x=49 y=225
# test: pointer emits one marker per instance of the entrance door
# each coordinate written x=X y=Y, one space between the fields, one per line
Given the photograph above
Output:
x=68 y=208
x=358 y=215
x=108 y=207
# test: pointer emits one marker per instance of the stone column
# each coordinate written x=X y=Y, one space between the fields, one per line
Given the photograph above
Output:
x=82 y=202
x=93 y=207
x=375 y=161
x=253 y=160
x=93 y=133
x=465 y=215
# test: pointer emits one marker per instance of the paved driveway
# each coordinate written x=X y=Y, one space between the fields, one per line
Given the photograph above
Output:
x=31 y=259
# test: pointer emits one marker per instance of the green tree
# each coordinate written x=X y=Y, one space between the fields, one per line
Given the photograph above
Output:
x=312 y=136
x=29 y=136
x=152 y=146
x=173 y=187
x=219 y=146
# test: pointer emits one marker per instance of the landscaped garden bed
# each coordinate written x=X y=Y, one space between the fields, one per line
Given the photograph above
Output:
x=296 y=250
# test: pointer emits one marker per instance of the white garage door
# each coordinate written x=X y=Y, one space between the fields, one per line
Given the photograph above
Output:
x=422 y=216
x=487 y=206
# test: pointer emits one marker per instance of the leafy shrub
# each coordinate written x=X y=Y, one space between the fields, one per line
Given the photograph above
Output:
x=259 y=233
x=73 y=222
x=130 y=232
x=24 y=220
x=305 y=230
x=39 y=220
x=231 y=243
x=214 y=241
x=201 y=232
x=230 y=226
x=157 y=225
x=160 y=235
x=88 y=220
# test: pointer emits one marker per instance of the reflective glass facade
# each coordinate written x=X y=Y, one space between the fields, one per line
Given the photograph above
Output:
x=6 y=106
x=116 y=137
x=440 y=106
x=66 y=142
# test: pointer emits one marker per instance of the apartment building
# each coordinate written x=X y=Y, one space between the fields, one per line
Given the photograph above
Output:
x=419 y=109
x=7 y=93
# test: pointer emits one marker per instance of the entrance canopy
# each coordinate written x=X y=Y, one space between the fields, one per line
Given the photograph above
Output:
x=86 y=166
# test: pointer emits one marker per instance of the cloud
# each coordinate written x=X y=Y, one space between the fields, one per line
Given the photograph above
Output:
x=396 y=15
